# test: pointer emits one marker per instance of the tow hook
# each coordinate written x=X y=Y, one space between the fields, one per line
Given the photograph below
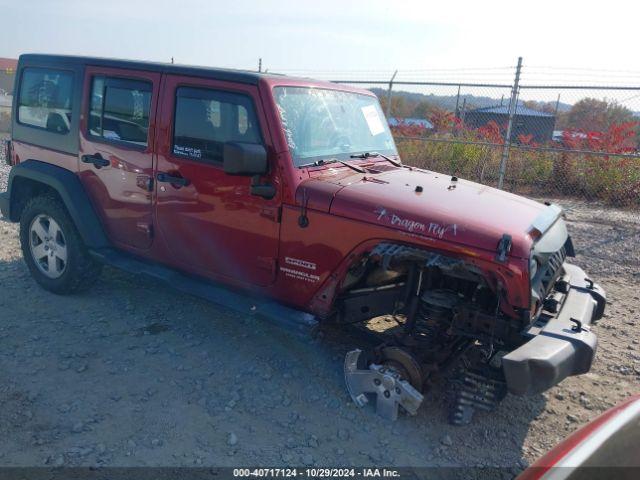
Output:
x=578 y=325
x=386 y=383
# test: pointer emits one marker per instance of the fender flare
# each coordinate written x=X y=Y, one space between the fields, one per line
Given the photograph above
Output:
x=68 y=186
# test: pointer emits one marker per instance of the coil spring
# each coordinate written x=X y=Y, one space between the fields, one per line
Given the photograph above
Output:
x=431 y=322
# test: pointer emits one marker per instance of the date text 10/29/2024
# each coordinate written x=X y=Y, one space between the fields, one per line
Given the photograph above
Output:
x=316 y=473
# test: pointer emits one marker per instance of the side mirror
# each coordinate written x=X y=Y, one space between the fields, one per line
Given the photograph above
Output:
x=244 y=159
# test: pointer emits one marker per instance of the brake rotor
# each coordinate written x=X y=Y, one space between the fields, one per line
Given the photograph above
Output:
x=404 y=363
x=389 y=382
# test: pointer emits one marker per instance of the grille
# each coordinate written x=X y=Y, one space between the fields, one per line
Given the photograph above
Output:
x=549 y=273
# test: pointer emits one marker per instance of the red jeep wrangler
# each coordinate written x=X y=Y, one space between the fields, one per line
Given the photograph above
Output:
x=287 y=196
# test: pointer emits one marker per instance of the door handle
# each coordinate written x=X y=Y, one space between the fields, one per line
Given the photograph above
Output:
x=166 y=178
x=96 y=160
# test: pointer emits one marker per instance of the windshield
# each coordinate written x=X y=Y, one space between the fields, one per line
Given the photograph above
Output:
x=320 y=124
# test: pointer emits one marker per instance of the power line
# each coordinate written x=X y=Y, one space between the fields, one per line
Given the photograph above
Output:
x=591 y=69
x=426 y=70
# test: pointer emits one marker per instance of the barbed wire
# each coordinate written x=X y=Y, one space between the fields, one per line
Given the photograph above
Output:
x=571 y=76
x=592 y=69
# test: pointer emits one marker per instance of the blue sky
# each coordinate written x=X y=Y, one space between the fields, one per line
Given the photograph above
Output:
x=330 y=35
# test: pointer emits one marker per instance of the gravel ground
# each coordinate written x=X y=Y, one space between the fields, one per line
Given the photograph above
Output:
x=132 y=373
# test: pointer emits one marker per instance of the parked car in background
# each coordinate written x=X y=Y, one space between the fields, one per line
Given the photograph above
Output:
x=607 y=447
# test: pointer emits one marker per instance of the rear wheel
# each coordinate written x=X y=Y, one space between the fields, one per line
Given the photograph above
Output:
x=53 y=249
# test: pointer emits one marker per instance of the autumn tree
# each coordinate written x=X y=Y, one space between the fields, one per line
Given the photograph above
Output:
x=591 y=114
x=443 y=121
x=399 y=107
x=422 y=109
x=546 y=107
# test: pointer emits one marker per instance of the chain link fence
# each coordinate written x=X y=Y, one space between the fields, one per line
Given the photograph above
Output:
x=565 y=139
x=538 y=131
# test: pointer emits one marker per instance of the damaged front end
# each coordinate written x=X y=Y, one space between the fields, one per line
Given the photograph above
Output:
x=431 y=314
x=437 y=317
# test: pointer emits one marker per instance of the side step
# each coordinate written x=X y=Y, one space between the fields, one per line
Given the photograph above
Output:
x=291 y=319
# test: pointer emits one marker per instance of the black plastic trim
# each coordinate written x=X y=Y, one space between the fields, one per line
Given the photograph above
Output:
x=68 y=186
x=558 y=349
x=293 y=320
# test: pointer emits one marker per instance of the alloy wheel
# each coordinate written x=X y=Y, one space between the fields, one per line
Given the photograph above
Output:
x=48 y=246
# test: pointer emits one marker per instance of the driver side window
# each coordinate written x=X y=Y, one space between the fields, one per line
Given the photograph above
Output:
x=206 y=119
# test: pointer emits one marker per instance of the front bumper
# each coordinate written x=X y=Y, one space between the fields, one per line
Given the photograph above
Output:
x=4 y=204
x=558 y=348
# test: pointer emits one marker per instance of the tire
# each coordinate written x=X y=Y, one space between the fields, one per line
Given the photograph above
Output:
x=53 y=249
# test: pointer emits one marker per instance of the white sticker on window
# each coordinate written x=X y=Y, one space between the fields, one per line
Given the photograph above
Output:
x=188 y=151
x=374 y=122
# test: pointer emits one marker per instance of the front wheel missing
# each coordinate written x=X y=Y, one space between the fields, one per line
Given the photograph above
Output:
x=392 y=391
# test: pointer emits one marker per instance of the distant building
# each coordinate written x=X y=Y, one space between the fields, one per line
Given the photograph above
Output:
x=420 y=122
x=7 y=75
x=526 y=121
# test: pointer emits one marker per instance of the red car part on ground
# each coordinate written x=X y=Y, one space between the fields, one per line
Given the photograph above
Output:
x=607 y=447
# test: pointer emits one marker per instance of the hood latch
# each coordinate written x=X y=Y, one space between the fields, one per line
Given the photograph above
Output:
x=504 y=247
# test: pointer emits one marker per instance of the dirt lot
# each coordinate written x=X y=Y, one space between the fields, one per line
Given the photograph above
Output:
x=132 y=373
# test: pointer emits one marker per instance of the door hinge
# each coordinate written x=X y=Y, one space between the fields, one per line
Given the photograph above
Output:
x=267 y=263
x=272 y=213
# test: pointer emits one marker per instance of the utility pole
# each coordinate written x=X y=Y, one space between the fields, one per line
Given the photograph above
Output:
x=457 y=112
x=512 y=110
x=388 y=112
x=555 y=112
x=464 y=111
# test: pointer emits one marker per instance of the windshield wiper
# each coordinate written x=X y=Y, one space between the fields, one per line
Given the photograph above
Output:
x=321 y=162
x=317 y=163
x=376 y=154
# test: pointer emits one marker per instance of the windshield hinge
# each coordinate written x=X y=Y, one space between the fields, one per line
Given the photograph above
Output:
x=303 y=220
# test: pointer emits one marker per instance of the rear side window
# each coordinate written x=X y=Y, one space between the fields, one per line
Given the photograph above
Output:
x=119 y=110
x=206 y=119
x=45 y=99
